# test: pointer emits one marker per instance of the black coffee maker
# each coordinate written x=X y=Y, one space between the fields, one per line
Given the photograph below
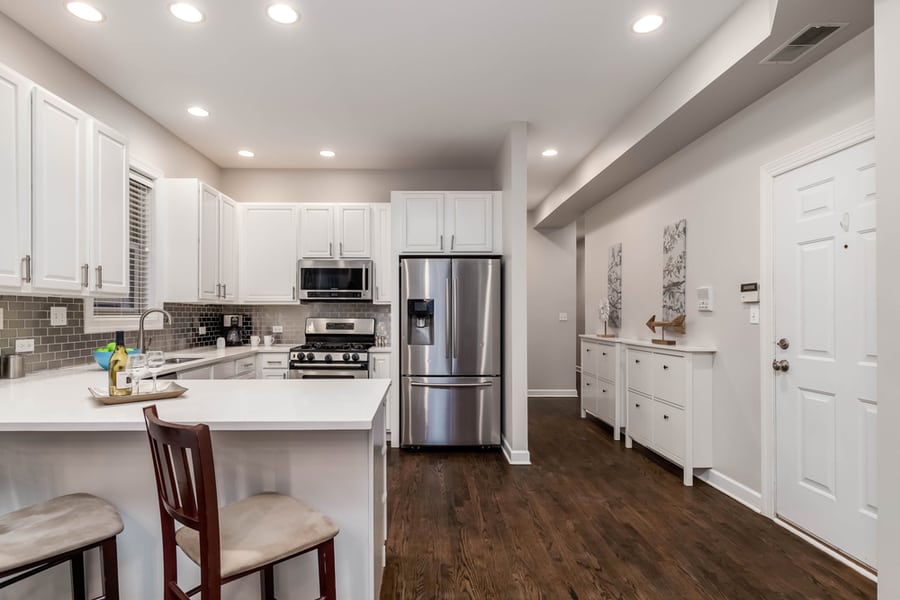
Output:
x=233 y=330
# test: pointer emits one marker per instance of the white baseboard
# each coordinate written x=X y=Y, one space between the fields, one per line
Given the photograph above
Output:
x=735 y=489
x=552 y=393
x=515 y=457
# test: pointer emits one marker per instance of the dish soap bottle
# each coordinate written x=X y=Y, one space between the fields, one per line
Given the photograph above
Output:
x=119 y=378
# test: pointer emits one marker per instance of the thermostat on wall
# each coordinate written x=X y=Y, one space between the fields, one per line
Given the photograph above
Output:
x=750 y=292
x=705 y=299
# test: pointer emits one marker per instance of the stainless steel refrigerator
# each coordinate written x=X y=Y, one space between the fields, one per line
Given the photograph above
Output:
x=450 y=351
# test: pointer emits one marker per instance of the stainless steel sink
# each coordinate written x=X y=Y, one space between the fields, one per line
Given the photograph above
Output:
x=180 y=360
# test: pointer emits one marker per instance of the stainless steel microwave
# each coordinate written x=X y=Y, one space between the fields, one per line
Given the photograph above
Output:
x=335 y=280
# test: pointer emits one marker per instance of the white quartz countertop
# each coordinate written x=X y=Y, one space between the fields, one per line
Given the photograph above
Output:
x=60 y=401
x=647 y=344
x=211 y=355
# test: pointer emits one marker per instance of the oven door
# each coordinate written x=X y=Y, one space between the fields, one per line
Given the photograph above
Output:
x=335 y=279
x=326 y=373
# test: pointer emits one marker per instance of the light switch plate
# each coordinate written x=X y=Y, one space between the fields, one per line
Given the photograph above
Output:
x=754 y=314
x=25 y=345
x=201 y=330
x=58 y=316
x=563 y=316
x=277 y=329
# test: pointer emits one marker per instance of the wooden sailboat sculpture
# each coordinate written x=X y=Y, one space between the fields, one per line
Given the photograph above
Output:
x=676 y=325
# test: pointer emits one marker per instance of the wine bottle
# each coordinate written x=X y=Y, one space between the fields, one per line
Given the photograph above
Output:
x=119 y=378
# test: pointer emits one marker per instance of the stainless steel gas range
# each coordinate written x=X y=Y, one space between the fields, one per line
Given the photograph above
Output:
x=334 y=349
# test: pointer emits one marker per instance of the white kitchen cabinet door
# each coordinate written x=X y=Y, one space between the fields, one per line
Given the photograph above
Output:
x=228 y=248
x=15 y=179
x=317 y=231
x=423 y=222
x=268 y=250
x=210 y=286
x=469 y=218
x=109 y=212
x=354 y=233
x=381 y=253
x=59 y=197
x=380 y=368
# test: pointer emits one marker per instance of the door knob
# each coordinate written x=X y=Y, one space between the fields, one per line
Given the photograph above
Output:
x=781 y=365
x=783 y=343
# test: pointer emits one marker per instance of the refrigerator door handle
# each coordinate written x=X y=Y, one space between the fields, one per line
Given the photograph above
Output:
x=450 y=385
x=447 y=321
x=455 y=317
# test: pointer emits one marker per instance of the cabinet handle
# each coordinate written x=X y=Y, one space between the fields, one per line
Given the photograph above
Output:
x=442 y=241
x=602 y=391
x=587 y=349
x=587 y=383
x=293 y=292
x=452 y=241
x=666 y=367
x=341 y=248
x=26 y=275
x=99 y=277
x=637 y=404
x=273 y=362
x=637 y=362
x=218 y=290
x=666 y=417
x=604 y=354
x=85 y=270
x=330 y=249
x=224 y=290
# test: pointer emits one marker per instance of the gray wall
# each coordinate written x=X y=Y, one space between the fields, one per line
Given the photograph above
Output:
x=551 y=291
x=149 y=141
x=715 y=184
x=339 y=185
x=887 y=116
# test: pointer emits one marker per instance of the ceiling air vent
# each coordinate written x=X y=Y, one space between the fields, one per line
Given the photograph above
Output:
x=795 y=49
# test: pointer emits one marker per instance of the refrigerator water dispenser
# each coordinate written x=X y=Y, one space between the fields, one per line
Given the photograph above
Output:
x=421 y=321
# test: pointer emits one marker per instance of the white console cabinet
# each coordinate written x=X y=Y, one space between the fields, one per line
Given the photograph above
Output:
x=669 y=403
x=601 y=382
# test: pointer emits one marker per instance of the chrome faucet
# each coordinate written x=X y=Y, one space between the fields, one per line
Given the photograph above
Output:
x=150 y=311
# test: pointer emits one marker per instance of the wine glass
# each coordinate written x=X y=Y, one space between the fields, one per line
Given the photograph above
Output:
x=137 y=366
x=156 y=360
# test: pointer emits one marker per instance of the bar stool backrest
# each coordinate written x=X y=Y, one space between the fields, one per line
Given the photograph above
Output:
x=186 y=487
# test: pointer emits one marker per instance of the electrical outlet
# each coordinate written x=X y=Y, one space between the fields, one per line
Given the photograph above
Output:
x=58 y=316
x=25 y=345
x=202 y=330
x=277 y=329
x=563 y=316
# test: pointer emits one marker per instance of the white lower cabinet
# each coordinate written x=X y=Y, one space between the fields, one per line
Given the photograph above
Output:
x=669 y=403
x=601 y=390
x=196 y=373
x=380 y=368
x=272 y=365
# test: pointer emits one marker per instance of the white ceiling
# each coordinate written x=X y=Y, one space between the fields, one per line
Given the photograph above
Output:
x=402 y=84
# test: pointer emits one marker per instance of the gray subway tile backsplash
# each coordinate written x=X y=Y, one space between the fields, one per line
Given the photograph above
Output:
x=66 y=346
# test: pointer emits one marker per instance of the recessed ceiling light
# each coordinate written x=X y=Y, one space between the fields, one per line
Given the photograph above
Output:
x=647 y=24
x=85 y=11
x=246 y=153
x=186 y=12
x=327 y=153
x=198 y=111
x=282 y=13
x=550 y=152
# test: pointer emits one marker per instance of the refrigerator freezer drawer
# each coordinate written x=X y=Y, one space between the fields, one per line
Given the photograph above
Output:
x=450 y=411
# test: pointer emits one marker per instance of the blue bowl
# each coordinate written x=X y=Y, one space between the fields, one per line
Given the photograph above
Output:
x=102 y=358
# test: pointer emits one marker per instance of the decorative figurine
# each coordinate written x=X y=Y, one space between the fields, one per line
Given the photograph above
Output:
x=676 y=325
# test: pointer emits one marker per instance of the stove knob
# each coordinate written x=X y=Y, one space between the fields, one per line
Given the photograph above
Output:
x=301 y=357
x=310 y=357
x=328 y=358
x=355 y=357
x=346 y=357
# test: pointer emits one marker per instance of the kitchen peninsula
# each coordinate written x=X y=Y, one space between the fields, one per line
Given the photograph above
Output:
x=320 y=441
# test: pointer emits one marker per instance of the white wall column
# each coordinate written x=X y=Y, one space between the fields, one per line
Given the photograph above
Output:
x=887 y=140
x=511 y=175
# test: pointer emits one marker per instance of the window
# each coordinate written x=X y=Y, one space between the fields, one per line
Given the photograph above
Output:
x=101 y=315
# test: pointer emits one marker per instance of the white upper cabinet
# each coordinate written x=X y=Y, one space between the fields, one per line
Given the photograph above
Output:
x=335 y=231
x=317 y=231
x=200 y=249
x=353 y=233
x=469 y=221
x=381 y=253
x=60 y=207
x=423 y=222
x=448 y=222
x=110 y=252
x=15 y=180
x=268 y=246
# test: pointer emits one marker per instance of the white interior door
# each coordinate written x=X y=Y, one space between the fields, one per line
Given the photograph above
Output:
x=825 y=308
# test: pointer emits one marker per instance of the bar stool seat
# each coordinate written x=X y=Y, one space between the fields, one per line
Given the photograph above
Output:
x=59 y=526
x=261 y=530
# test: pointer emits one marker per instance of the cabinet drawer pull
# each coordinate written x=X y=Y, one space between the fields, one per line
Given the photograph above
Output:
x=587 y=349
x=666 y=417
x=602 y=391
x=666 y=367
x=587 y=383
x=273 y=362
x=604 y=354
x=637 y=404
x=637 y=362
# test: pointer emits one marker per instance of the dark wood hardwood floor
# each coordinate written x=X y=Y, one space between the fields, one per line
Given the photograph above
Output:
x=588 y=520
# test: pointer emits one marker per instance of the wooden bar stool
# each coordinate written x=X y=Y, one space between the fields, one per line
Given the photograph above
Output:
x=252 y=535
x=42 y=536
